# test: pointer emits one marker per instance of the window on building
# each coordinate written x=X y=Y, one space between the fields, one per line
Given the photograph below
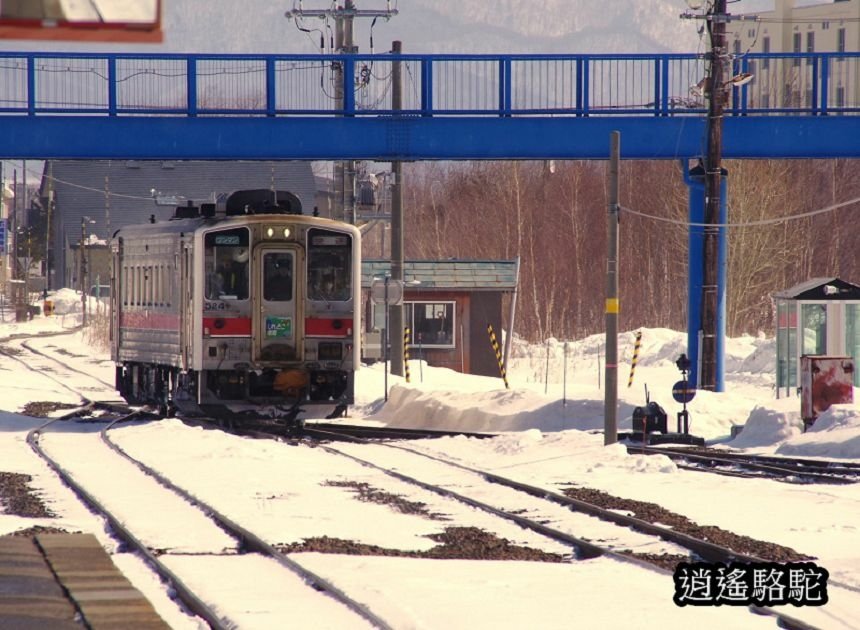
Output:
x=786 y=345
x=432 y=323
x=765 y=48
x=852 y=336
x=810 y=45
x=814 y=320
x=840 y=96
x=840 y=40
x=796 y=48
x=737 y=46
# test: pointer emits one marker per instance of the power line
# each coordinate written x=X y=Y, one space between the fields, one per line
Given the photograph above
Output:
x=101 y=191
x=760 y=222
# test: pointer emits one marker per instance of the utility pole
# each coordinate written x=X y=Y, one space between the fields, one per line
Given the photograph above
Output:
x=84 y=270
x=81 y=280
x=13 y=231
x=716 y=21
x=397 y=260
x=49 y=209
x=610 y=402
x=344 y=17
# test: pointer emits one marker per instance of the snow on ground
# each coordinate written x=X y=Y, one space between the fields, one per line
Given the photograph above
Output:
x=547 y=439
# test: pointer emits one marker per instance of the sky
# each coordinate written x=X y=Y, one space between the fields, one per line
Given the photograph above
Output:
x=547 y=438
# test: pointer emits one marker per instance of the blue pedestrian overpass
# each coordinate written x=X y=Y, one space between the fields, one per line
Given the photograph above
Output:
x=457 y=107
x=454 y=107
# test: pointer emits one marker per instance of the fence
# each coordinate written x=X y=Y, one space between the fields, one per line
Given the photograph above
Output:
x=434 y=85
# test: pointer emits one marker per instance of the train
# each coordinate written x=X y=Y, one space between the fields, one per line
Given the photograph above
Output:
x=243 y=305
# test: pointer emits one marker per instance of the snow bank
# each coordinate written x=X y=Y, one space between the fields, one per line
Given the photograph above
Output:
x=836 y=433
x=767 y=426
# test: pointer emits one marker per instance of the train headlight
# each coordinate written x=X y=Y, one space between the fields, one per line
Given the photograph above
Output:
x=270 y=232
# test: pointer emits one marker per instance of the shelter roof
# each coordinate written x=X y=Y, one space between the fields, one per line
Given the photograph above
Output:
x=815 y=289
x=472 y=275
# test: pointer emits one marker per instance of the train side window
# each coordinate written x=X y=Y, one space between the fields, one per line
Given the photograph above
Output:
x=161 y=276
x=124 y=285
x=147 y=285
x=168 y=286
x=329 y=266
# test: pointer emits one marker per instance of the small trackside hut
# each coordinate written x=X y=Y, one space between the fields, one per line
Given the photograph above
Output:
x=235 y=305
x=447 y=306
x=818 y=317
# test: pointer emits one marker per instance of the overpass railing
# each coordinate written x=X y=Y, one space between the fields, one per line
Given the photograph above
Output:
x=44 y=84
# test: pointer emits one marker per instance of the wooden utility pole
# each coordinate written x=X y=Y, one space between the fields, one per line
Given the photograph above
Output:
x=716 y=21
x=344 y=18
x=610 y=402
x=344 y=171
x=397 y=260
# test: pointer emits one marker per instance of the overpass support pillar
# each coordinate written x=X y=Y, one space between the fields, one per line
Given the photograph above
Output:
x=695 y=180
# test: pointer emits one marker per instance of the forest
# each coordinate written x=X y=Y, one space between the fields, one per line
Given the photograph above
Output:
x=553 y=216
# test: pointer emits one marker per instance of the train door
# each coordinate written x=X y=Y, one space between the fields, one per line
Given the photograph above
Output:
x=277 y=325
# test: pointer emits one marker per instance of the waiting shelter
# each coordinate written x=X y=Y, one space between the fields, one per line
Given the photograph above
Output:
x=818 y=317
x=447 y=305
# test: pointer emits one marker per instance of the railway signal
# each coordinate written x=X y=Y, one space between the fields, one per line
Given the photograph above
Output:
x=683 y=393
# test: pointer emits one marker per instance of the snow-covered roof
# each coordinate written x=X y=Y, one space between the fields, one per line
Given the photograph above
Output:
x=821 y=289
x=475 y=275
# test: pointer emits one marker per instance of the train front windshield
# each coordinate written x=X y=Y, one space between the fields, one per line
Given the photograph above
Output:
x=329 y=266
x=226 y=261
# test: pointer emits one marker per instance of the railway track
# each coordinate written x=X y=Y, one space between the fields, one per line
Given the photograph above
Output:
x=795 y=470
x=370 y=437
x=138 y=526
x=698 y=549
x=57 y=372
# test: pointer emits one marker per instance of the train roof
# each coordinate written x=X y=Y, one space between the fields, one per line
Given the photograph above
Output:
x=179 y=226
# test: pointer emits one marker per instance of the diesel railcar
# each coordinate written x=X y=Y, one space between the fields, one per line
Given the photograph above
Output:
x=237 y=305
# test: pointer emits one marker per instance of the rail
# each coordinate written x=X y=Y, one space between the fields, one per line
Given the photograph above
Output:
x=192 y=85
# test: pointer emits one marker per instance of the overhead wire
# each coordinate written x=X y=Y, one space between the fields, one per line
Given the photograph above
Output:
x=101 y=191
x=758 y=223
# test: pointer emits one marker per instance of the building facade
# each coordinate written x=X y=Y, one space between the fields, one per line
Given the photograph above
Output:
x=791 y=82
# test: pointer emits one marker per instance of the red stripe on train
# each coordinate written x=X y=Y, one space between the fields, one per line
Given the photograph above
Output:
x=337 y=327
x=227 y=326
